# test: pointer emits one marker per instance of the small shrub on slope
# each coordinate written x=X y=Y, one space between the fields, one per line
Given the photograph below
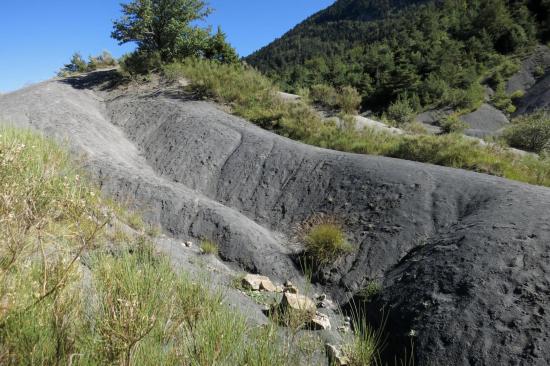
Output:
x=453 y=124
x=326 y=243
x=139 y=63
x=104 y=60
x=364 y=350
x=349 y=100
x=78 y=65
x=324 y=94
x=400 y=111
x=209 y=247
x=531 y=133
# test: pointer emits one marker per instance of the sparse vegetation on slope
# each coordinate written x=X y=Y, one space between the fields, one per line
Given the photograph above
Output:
x=209 y=247
x=254 y=97
x=78 y=65
x=346 y=98
x=70 y=294
x=326 y=243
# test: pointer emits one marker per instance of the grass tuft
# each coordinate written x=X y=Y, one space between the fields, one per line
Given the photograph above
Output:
x=326 y=243
x=365 y=347
x=209 y=247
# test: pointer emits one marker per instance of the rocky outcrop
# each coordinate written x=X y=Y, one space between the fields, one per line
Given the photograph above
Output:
x=537 y=97
x=462 y=257
x=485 y=121
x=533 y=79
x=531 y=70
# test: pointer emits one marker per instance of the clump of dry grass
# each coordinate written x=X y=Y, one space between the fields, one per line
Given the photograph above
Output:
x=324 y=240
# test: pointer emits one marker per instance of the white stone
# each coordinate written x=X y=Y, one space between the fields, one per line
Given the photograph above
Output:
x=320 y=322
x=296 y=302
x=257 y=282
x=335 y=356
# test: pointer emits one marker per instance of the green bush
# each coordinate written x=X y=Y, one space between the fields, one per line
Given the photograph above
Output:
x=539 y=71
x=453 y=124
x=503 y=101
x=324 y=94
x=326 y=243
x=434 y=90
x=465 y=99
x=347 y=99
x=78 y=65
x=75 y=66
x=531 y=133
x=518 y=94
x=219 y=49
x=102 y=61
x=401 y=112
x=370 y=291
x=416 y=128
x=246 y=90
x=140 y=63
x=347 y=122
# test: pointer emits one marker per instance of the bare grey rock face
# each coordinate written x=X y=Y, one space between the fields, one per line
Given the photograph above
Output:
x=530 y=69
x=537 y=97
x=464 y=257
x=486 y=121
x=533 y=79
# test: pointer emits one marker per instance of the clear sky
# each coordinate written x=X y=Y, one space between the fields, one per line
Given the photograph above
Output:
x=38 y=36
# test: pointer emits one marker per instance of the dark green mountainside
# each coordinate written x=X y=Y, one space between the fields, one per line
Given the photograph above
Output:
x=415 y=54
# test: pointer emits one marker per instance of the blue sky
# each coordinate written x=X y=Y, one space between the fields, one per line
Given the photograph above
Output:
x=38 y=36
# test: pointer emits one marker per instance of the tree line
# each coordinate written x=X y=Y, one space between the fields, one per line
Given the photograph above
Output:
x=421 y=55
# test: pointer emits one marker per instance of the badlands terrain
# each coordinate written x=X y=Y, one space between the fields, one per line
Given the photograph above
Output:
x=462 y=259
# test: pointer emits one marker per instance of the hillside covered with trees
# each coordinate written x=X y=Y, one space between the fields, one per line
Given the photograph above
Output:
x=410 y=54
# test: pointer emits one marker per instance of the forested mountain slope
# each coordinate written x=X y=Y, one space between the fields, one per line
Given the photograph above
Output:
x=424 y=54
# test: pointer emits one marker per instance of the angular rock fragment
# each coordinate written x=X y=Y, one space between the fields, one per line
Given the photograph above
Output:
x=320 y=321
x=297 y=302
x=257 y=282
